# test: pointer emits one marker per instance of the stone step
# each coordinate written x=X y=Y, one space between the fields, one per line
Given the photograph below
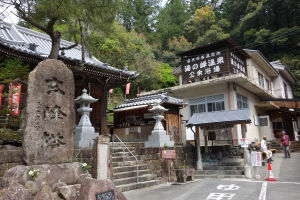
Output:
x=128 y=144
x=295 y=149
x=120 y=149
x=126 y=163
x=129 y=168
x=128 y=180
x=133 y=173
x=220 y=172
x=126 y=153
x=227 y=163
x=218 y=167
x=218 y=176
x=133 y=186
x=125 y=158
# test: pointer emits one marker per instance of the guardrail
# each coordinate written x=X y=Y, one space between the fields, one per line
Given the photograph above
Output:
x=125 y=147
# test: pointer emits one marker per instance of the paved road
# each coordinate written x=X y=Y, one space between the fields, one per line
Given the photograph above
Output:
x=286 y=171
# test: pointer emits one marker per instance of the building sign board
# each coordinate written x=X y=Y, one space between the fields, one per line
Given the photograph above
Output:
x=168 y=154
x=210 y=63
x=244 y=143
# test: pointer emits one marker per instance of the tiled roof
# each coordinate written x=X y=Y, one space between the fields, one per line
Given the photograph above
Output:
x=150 y=100
x=19 y=38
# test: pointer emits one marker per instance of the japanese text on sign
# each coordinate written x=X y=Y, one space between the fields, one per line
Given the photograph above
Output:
x=203 y=65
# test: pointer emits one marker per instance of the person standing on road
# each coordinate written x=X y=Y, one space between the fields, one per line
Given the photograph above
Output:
x=264 y=148
x=285 y=142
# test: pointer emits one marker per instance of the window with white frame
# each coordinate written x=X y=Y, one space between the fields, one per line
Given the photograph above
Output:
x=242 y=101
x=260 y=79
x=268 y=84
x=207 y=104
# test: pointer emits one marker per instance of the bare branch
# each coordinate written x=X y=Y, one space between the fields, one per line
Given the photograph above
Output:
x=22 y=14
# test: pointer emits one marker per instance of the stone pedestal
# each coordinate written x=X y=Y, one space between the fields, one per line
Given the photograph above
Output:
x=84 y=132
x=158 y=137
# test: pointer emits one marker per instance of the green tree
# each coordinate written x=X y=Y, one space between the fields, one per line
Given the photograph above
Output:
x=204 y=28
x=138 y=15
x=175 y=46
x=293 y=61
x=167 y=79
x=170 y=21
x=79 y=15
x=12 y=69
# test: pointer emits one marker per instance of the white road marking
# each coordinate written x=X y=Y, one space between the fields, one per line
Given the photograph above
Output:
x=263 y=191
x=254 y=181
x=228 y=187
x=220 y=196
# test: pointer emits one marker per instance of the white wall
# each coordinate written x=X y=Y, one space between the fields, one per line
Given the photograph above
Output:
x=279 y=88
x=253 y=68
x=253 y=131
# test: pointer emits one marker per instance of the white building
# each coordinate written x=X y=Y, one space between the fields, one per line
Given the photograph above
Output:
x=222 y=76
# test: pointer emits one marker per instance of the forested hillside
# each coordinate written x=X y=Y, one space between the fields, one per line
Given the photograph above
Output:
x=146 y=35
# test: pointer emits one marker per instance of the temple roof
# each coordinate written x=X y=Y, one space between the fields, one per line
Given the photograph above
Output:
x=32 y=43
x=150 y=100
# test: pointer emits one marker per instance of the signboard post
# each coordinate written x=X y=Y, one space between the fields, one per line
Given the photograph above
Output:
x=168 y=154
x=256 y=162
x=244 y=143
x=256 y=159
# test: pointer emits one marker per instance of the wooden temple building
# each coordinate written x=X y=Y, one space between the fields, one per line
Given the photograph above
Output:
x=31 y=47
x=133 y=121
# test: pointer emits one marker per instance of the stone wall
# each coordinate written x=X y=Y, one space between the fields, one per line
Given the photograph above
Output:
x=10 y=156
x=152 y=156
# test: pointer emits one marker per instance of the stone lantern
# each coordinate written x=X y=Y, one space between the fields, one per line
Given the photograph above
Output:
x=84 y=132
x=158 y=137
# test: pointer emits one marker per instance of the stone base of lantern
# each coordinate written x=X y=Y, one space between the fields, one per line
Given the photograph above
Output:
x=159 y=138
x=84 y=137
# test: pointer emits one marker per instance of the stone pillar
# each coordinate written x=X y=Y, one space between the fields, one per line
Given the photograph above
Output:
x=103 y=157
x=199 y=158
x=247 y=167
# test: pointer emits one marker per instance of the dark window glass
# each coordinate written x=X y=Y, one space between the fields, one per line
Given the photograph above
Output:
x=285 y=90
x=242 y=101
x=201 y=108
x=193 y=109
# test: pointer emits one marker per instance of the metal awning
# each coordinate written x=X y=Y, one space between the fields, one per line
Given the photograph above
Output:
x=226 y=117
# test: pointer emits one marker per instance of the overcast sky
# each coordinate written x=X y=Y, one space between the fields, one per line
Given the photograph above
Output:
x=7 y=15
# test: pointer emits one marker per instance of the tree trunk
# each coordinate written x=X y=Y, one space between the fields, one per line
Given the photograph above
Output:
x=55 y=38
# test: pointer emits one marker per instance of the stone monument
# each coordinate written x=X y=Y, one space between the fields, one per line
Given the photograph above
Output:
x=50 y=116
x=50 y=173
x=158 y=137
x=84 y=132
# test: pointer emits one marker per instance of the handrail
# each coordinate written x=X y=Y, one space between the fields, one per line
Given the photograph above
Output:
x=137 y=167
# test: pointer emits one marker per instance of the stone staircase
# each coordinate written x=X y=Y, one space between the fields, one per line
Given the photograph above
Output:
x=124 y=168
x=294 y=147
x=222 y=169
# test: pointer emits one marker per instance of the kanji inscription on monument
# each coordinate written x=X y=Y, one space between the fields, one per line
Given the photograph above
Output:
x=50 y=114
